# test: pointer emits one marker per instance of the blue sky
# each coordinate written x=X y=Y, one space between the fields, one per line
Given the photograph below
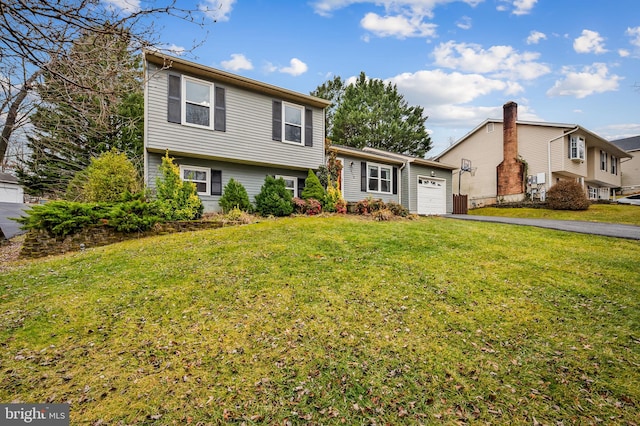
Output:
x=563 y=61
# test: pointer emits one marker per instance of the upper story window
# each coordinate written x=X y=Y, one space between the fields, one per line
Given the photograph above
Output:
x=576 y=147
x=196 y=102
x=614 y=165
x=603 y=160
x=379 y=178
x=198 y=175
x=292 y=123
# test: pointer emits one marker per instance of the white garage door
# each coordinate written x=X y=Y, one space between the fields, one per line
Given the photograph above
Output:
x=432 y=195
x=10 y=193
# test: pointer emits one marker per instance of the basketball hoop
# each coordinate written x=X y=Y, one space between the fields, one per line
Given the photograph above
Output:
x=473 y=171
x=465 y=165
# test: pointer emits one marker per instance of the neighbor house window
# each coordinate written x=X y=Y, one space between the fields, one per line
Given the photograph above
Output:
x=291 y=183
x=379 y=178
x=614 y=165
x=576 y=148
x=196 y=102
x=603 y=160
x=199 y=175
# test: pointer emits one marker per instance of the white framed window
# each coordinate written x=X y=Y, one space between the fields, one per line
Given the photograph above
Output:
x=197 y=102
x=614 y=165
x=593 y=193
x=604 y=159
x=293 y=123
x=576 y=147
x=291 y=183
x=379 y=178
x=201 y=176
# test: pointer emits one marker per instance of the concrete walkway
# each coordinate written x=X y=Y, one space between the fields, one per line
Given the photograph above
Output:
x=594 y=228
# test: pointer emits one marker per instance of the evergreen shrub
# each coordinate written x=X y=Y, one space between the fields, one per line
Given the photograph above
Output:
x=567 y=195
x=312 y=187
x=234 y=196
x=178 y=199
x=274 y=198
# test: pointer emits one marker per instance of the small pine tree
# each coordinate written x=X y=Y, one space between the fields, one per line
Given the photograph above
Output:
x=312 y=187
x=274 y=198
x=234 y=196
x=178 y=199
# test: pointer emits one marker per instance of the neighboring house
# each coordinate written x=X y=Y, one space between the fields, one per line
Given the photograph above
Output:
x=422 y=186
x=219 y=126
x=630 y=167
x=10 y=190
x=512 y=160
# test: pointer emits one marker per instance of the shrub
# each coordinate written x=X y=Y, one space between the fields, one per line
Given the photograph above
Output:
x=106 y=179
x=235 y=196
x=398 y=209
x=134 y=216
x=369 y=205
x=312 y=187
x=567 y=195
x=341 y=206
x=274 y=198
x=178 y=199
x=382 y=214
x=333 y=198
x=61 y=218
x=237 y=215
x=299 y=205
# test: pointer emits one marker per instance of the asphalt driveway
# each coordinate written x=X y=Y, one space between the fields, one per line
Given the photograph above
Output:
x=594 y=228
x=8 y=227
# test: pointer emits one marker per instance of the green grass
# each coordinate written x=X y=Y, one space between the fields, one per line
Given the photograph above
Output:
x=333 y=320
x=613 y=213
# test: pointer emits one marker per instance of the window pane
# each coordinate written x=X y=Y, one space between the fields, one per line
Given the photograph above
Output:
x=201 y=186
x=198 y=93
x=385 y=173
x=292 y=133
x=196 y=114
x=373 y=184
x=292 y=115
x=373 y=172
x=384 y=186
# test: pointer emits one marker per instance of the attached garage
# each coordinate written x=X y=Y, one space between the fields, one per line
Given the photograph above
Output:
x=432 y=196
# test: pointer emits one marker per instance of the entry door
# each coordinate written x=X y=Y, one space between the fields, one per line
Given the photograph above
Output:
x=432 y=196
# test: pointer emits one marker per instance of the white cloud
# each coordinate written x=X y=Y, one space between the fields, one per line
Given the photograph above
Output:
x=590 y=80
x=589 y=42
x=518 y=7
x=416 y=7
x=464 y=23
x=397 y=26
x=237 y=62
x=623 y=53
x=296 y=67
x=128 y=6
x=634 y=33
x=535 y=37
x=500 y=61
x=218 y=10
x=619 y=131
x=431 y=88
x=174 y=49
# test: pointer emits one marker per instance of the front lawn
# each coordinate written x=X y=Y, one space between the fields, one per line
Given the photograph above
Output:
x=331 y=320
x=612 y=213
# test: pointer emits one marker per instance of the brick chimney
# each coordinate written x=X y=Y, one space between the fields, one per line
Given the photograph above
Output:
x=511 y=170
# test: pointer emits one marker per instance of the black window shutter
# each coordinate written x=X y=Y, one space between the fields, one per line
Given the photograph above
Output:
x=394 y=178
x=363 y=176
x=276 y=133
x=216 y=182
x=220 y=112
x=173 y=102
x=308 y=127
x=301 y=182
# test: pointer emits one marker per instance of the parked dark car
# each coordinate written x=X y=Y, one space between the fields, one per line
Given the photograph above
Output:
x=631 y=199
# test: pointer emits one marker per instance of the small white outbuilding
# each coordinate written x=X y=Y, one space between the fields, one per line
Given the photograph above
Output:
x=10 y=191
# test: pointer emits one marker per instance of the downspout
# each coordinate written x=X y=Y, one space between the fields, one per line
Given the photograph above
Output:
x=548 y=184
x=145 y=124
x=400 y=183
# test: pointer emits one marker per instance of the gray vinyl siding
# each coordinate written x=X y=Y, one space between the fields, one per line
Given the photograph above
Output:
x=248 y=135
x=250 y=176
x=351 y=182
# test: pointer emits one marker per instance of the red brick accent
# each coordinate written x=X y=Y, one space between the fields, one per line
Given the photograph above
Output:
x=511 y=170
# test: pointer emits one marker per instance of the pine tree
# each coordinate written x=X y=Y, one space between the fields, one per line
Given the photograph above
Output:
x=313 y=188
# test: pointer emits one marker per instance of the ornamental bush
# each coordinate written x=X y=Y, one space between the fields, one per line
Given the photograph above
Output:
x=178 y=199
x=567 y=195
x=61 y=218
x=312 y=187
x=235 y=196
x=274 y=198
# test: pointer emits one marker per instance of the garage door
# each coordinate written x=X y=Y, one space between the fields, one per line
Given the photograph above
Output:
x=432 y=196
x=10 y=193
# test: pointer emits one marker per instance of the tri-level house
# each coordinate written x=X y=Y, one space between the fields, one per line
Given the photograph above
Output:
x=219 y=126
x=630 y=167
x=511 y=160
